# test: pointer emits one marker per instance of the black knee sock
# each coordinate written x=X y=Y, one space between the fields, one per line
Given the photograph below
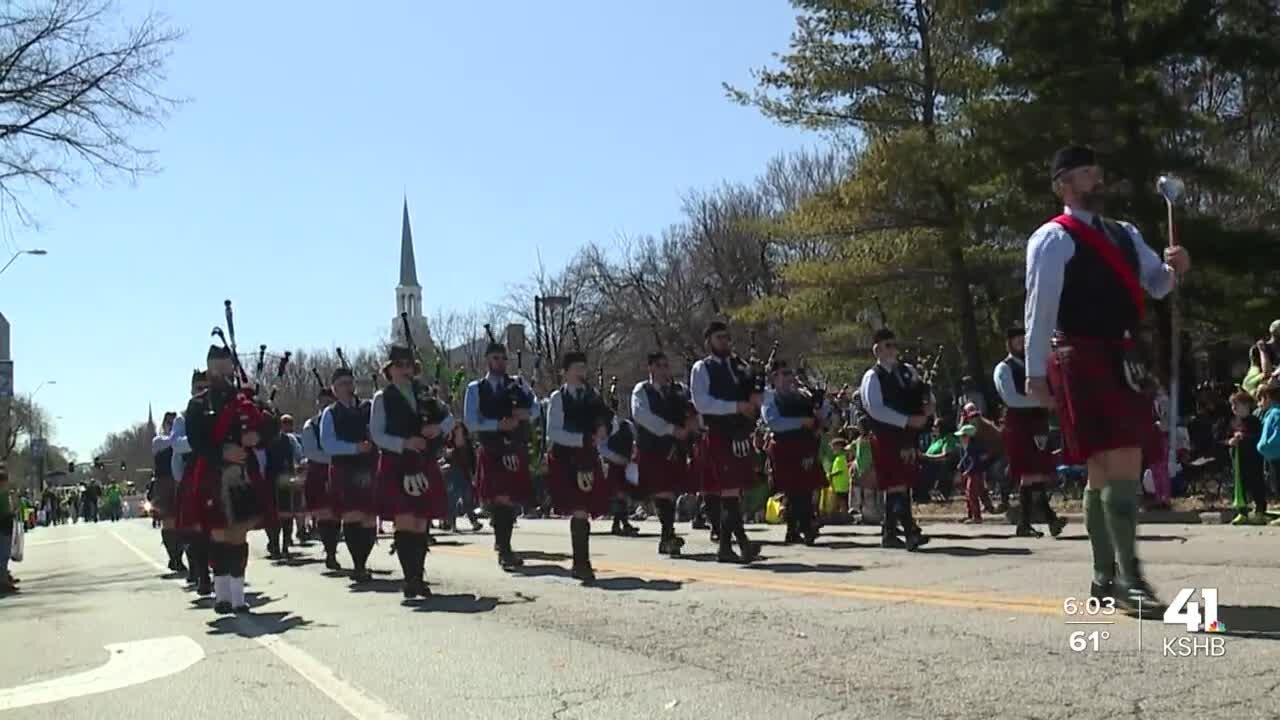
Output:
x=1042 y=502
x=904 y=514
x=714 y=513
x=198 y=555
x=328 y=531
x=731 y=523
x=353 y=535
x=273 y=537
x=404 y=552
x=170 y=545
x=220 y=558
x=804 y=514
x=666 y=508
x=1026 y=495
x=889 y=520
x=239 y=560
x=286 y=531
x=580 y=534
x=368 y=538
x=506 y=516
x=793 y=514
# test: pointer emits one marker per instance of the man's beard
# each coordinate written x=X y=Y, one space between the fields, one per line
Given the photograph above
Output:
x=1094 y=200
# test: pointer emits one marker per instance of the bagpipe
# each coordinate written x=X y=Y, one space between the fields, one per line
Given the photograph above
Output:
x=431 y=410
x=516 y=396
x=240 y=415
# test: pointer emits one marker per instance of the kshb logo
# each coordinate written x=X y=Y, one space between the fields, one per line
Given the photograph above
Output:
x=1185 y=611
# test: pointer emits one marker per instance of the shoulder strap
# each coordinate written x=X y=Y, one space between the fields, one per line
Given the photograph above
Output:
x=1111 y=256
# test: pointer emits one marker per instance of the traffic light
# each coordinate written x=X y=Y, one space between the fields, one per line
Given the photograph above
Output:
x=97 y=463
x=122 y=466
x=71 y=468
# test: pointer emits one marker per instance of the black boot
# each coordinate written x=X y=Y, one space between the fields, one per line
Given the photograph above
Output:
x=507 y=557
x=806 y=522
x=726 y=553
x=914 y=536
x=670 y=543
x=355 y=536
x=328 y=530
x=580 y=532
x=1056 y=523
x=713 y=516
x=200 y=560
x=1026 y=502
x=793 y=520
x=750 y=550
x=192 y=550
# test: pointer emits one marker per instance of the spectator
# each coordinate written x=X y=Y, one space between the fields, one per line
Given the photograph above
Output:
x=941 y=457
x=459 y=471
x=970 y=397
x=1246 y=462
x=1271 y=350
x=991 y=442
x=838 y=475
x=1269 y=442
x=972 y=469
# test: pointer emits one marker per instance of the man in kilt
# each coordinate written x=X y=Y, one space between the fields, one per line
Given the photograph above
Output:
x=1026 y=439
x=621 y=472
x=897 y=405
x=163 y=493
x=225 y=428
x=344 y=435
x=190 y=526
x=725 y=394
x=409 y=427
x=498 y=409
x=665 y=424
x=795 y=418
x=577 y=420
x=283 y=464
x=316 y=487
x=1087 y=277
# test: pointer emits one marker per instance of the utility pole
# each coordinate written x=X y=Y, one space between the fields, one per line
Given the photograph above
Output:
x=6 y=380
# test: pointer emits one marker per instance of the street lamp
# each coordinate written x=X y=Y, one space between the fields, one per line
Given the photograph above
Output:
x=22 y=252
x=41 y=385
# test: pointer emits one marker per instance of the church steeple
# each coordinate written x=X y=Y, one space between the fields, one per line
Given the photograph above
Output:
x=408 y=268
x=151 y=422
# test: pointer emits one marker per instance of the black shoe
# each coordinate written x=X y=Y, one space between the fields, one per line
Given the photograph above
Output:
x=584 y=572
x=699 y=523
x=915 y=541
x=728 y=556
x=509 y=561
x=676 y=543
x=791 y=538
x=892 y=542
x=361 y=575
x=750 y=552
x=204 y=587
x=1028 y=531
x=331 y=563
x=1101 y=590
x=1137 y=598
x=242 y=610
x=410 y=589
x=223 y=608
x=630 y=530
x=1056 y=525
x=664 y=546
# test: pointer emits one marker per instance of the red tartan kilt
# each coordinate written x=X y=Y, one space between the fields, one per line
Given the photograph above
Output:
x=562 y=483
x=493 y=479
x=661 y=474
x=722 y=470
x=345 y=496
x=392 y=499
x=189 y=513
x=615 y=476
x=892 y=472
x=1099 y=410
x=1026 y=455
x=316 y=486
x=211 y=510
x=796 y=465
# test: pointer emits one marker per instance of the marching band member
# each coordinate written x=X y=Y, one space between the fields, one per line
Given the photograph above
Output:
x=724 y=394
x=225 y=429
x=344 y=434
x=795 y=418
x=319 y=502
x=621 y=473
x=1026 y=439
x=283 y=457
x=1086 y=280
x=498 y=409
x=895 y=401
x=163 y=493
x=576 y=424
x=663 y=415
x=189 y=524
x=409 y=426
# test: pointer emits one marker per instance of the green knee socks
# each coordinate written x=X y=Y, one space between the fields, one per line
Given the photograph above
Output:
x=1120 y=499
x=1095 y=521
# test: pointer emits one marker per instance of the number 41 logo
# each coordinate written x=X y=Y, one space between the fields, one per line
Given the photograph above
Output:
x=1185 y=611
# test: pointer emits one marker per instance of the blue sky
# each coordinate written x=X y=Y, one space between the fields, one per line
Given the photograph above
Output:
x=523 y=127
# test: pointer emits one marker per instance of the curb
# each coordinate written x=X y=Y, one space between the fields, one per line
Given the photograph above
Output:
x=1162 y=517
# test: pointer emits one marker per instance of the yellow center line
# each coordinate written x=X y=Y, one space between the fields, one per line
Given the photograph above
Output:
x=881 y=593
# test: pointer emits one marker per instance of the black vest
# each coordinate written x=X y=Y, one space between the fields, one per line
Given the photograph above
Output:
x=1094 y=302
x=162 y=460
x=900 y=391
x=350 y=424
x=581 y=414
x=732 y=386
x=1019 y=368
x=673 y=405
x=792 y=404
x=280 y=459
x=403 y=421
x=621 y=441
x=494 y=404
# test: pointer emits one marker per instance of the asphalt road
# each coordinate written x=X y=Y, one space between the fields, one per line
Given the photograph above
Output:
x=970 y=627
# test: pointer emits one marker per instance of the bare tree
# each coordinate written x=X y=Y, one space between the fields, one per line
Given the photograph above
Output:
x=72 y=89
x=26 y=420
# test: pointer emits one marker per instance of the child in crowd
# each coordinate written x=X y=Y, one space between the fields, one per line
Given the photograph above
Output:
x=838 y=475
x=973 y=473
x=1246 y=462
x=1269 y=440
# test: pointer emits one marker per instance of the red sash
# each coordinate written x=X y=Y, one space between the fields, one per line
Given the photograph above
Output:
x=1111 y=255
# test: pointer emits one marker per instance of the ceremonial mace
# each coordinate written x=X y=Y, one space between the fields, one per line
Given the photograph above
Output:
x=1172 y=189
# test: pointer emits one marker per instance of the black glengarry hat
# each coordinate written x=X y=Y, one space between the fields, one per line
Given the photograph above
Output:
x=714 y=327
x=217 y=352
x=1014 y=332
x=1071 y=157
x=882 y=335
x=495 y=348
x=339 y=373
x=571 y=357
